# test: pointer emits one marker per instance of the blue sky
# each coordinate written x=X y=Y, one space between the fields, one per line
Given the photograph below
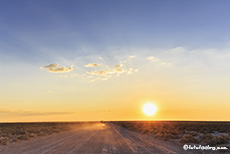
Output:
x=26 y=27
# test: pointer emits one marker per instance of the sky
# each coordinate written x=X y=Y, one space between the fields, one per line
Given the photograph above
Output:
x=103 y=60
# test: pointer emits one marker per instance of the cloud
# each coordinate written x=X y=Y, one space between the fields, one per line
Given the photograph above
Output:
x=92 y=65
x=30 y=113
x=107 y=73
x=127 y=60
x=158 y=62
x=118 y=66
x=153 y=59
x=93 y=80
x=118 y=70
x=90 y=72
x=129 y=71
x=55 y=69
x=124 y=61
x=131 y=57
x=104 y=72
x=98 y=73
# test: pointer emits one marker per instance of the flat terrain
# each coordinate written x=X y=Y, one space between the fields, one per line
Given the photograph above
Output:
x=96 y=138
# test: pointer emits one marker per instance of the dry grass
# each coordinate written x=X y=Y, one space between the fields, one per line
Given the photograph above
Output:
x=186 y=132
x=188 y=139
x=14 y=132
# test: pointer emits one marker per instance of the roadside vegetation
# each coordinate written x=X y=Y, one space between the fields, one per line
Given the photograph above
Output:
x=205 y=133
x=14 y=132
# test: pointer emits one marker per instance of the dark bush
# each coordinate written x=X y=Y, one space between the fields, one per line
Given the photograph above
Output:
x=188 y=139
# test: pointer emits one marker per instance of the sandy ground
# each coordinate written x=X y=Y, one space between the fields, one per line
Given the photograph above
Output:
x=96 y=138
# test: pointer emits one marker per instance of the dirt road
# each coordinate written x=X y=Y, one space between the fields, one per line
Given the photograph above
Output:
x=97 y=138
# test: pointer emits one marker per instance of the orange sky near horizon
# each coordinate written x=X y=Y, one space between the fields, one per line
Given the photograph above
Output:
x=54 y=97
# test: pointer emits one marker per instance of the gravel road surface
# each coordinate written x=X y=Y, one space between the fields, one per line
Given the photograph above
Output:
x=96 y=138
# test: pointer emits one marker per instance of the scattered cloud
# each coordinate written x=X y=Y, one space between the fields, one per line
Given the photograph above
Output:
x=30 y=113
x=118 y=70
x=177 y=59
x=104 y=72
x=98 y=73
x=119 y=65
x=73 y=75
x=129 y=71
x=153 y=59
x=127 y=60
x=92 y=65
x=158 y=62
x=55 y=69
x=132 y=57
x=90 y=72
x=107 y=73
x=124 y=61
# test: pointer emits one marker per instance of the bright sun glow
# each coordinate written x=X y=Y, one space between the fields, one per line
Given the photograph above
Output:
x=149 y=109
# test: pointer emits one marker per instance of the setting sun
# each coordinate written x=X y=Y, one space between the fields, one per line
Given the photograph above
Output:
x=149 y=109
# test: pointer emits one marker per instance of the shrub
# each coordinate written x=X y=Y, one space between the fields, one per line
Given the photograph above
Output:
x=32 y=135
x=188 y=139
x=208 y=139
x=193 y=133
x=41 y=133
x=4 y=141
x=15 y=139
x=23 y=137
x=159 y=134
x=222 y=139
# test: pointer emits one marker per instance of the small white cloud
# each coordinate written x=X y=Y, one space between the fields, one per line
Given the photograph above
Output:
x=131 y=57
x=178 y=50
x=55 y=69
x=118 y=66
x=99 y=73
x=102 y=73
x=127 y=60
x=93 y=80
x=108 y=71
x=129 y=71
x=151 y=58
x=166 y=64
x=31 y=113
x=118 y=70
x=90 y=72
x=124 y=61
x=92 y=65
